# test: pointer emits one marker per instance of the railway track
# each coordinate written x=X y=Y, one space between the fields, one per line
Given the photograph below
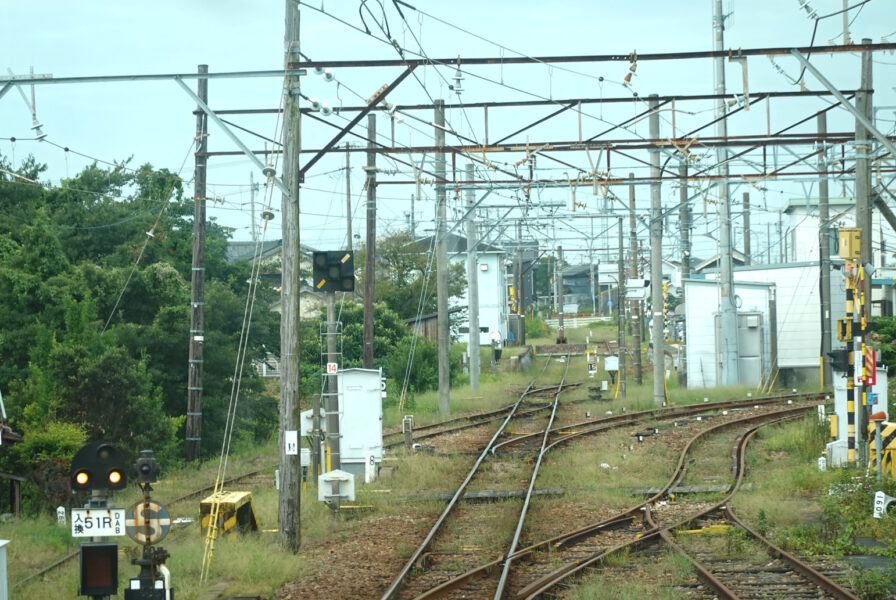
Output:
x=535 y=568
x=446 y=549
x=395 y=439
x=522 y=445
x=760 y=570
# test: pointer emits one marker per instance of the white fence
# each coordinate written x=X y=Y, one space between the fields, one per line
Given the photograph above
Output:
x=574 y=322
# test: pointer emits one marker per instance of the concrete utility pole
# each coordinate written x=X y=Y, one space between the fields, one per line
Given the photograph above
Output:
x=413 y=223
x=727 y=308
x=863 y=170
x=561 y=334
x=656 y=260
x=442 y=263
x=197 y=281
x=370 y=256
x=634 y=304
x=824 y=254
x=591 y=269
x=289 y=503
x=863 y=220
x=473 y=347
x=332 y=405
x=348 y=198
x=520 y=286
x=620 y=303
x=684 y=217
x=748 y=251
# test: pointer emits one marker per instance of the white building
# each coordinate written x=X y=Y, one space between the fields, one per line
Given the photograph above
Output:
x=490 y=272
x=799 y=239
x=796 y=314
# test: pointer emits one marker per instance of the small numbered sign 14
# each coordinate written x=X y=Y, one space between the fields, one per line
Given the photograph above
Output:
x=89 y=522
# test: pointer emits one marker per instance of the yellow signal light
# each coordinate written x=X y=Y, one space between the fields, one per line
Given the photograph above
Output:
x=81 y=478
x=115 y=477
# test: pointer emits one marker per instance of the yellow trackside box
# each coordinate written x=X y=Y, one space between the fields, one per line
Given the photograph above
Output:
x=234 y=510
x=850 y=243
x=844 y=330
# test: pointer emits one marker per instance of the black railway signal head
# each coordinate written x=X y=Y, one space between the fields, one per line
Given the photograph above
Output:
x=98 y=466
x=333 y=271
x=148 y=468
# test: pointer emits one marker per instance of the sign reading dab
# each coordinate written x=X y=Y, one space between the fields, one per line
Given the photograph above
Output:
x=98 y=466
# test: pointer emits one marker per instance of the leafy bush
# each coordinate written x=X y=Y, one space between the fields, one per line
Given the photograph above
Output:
x=536 y=327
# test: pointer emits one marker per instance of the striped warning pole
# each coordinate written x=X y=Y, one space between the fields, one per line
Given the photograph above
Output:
x=850 y=366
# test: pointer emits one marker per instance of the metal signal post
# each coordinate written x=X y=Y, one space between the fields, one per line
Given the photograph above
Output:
x=148 y=522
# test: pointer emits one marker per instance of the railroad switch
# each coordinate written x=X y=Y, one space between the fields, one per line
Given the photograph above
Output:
x=719 y=529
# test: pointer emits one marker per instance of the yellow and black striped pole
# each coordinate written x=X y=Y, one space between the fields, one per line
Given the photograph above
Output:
x=850 y=366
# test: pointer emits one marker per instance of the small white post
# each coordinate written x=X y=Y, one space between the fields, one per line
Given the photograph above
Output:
x=370 y=468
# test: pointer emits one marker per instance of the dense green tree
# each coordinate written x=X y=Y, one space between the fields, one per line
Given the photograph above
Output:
x=94 y=289
x=401 y=276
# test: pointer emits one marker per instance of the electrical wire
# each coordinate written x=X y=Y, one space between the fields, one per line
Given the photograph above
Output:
x=149 y=236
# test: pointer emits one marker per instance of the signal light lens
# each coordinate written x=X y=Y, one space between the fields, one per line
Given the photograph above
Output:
x=114 y=477
x=81 y=478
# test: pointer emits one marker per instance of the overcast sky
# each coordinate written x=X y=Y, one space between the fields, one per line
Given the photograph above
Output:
x=153 y=121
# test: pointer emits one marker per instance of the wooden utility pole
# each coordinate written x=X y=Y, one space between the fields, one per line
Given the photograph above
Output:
x=197 y=281
x=289 y=504
x=620 y=304
x=657 y=301
x=442 y=263
x=824 y=253
x=370 y=256
x=473 y=347
x=634 y=305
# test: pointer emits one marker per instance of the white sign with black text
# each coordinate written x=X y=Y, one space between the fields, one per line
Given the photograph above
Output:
x=89 y=522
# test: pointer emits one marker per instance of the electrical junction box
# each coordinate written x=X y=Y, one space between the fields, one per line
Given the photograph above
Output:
x=360 y=394
x=611 y=363
x=850 y=243
x=336 y=486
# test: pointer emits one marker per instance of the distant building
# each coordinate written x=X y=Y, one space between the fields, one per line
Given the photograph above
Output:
x=492 y=279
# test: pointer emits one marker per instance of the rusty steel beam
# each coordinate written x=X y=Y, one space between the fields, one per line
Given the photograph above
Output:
x=377 y=98
x=754 y=98
x=588 y=58
x=614 y=144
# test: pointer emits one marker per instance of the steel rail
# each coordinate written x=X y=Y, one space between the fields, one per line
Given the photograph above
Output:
x=505 y=571
x=806 y=570
x=474 y=420
x=667 y=412
x=400 y=580
x=625 y=516
x=550 y=580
